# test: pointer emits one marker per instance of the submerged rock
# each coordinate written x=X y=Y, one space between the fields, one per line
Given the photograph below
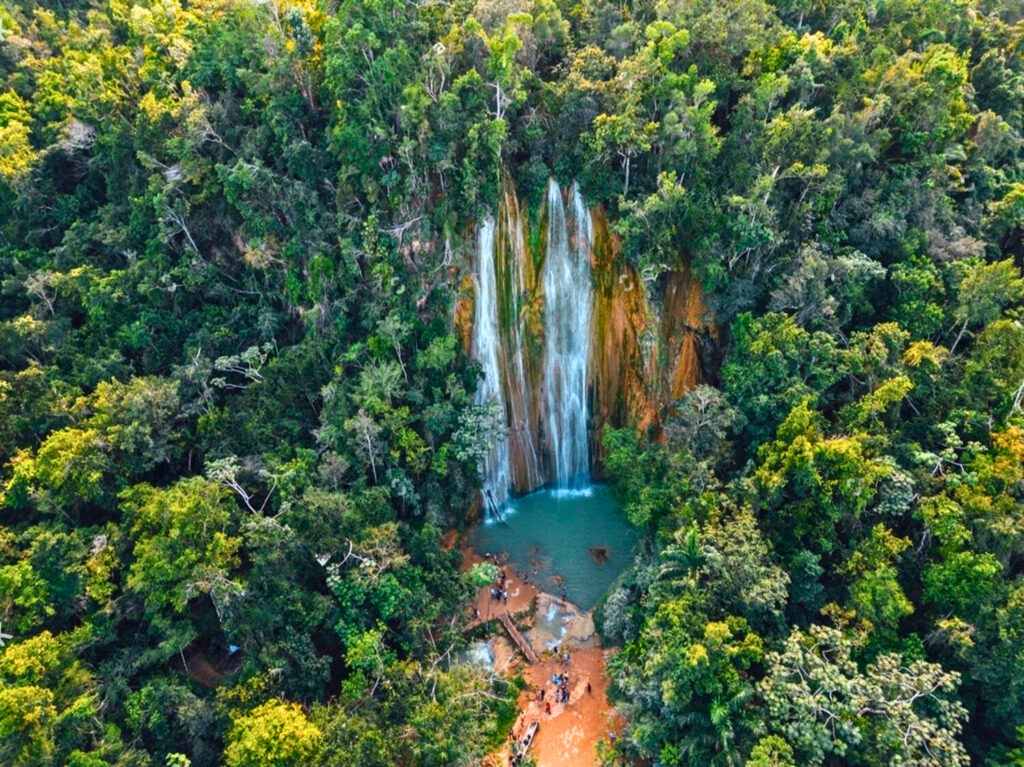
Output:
x=558 y=624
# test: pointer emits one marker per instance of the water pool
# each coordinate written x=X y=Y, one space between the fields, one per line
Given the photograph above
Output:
x=577 y=540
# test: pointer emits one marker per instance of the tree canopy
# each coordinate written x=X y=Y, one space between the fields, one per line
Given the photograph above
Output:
x=236 y=414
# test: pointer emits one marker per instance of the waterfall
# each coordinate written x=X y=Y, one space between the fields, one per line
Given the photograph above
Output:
x=497 y=471
x=570 y=340
x=525 y=461
x=567 y=306
x=531 y=334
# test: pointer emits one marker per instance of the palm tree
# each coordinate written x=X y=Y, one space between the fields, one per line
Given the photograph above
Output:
x=682 y=558
x=709 y=737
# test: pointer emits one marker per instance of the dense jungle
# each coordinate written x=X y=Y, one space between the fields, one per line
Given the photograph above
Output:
x=240 y=410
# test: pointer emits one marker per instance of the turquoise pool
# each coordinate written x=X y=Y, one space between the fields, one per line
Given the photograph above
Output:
x=577 y=540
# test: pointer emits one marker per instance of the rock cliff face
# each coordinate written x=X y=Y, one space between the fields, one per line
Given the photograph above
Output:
x=643 y=350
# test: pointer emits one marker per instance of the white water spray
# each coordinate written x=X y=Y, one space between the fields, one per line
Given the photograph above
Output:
x=497 y=472
x=567 y=307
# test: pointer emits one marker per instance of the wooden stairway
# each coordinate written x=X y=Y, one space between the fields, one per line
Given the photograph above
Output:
x=519 y=639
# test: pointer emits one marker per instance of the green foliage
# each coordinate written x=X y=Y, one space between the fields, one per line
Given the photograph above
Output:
x=773 y=365
x=633 y=467
x=275 y=733
x=26 y=718
x=181 y=544
x=875 y=593
x=809 y=483
x=984 y=291
x=822 y=703
x=483 y=573
x=771 y=751
x=122 y=431
x=235 y=413
x=701 y=424
x=50 y=703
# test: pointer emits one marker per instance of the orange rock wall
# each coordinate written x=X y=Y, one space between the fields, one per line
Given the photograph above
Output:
x=644 y=351
x=521 y=321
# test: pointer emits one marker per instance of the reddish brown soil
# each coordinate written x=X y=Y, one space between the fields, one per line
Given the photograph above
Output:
x=520 y=595
x=568 y=736
x=200 y=669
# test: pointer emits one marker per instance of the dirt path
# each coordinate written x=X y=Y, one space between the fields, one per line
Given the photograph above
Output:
x=568 y=736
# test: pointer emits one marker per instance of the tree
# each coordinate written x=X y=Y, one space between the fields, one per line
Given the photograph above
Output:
x=962 y=582
x=626 y=135
x=994 y=370
x=700 y=424
x=26 y=720
x=686 y=690
x=639 y=471
x=182 y=545
x=739 y=573
x=984 y=292
x=26 y=597
x=875 y=593
x=818 y=699
x=813 y=486
x=16 y=153
x=997 y=665
x=771 y=751
x=275 y=733
x=123 y=430
x=773 y=365
x=50 y=703
x=683 y=557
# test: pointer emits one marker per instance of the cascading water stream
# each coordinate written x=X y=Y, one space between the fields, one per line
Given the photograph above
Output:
x=522 y=442
x=497 y=472
x=567 y=307
x=562 y=359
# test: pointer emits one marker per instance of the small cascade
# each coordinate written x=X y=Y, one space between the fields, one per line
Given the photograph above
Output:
x=567 y=307
x=486 y=349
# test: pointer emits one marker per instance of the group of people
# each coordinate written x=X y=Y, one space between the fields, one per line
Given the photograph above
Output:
x=500 y=588
x=561 y=693
x=561 y=684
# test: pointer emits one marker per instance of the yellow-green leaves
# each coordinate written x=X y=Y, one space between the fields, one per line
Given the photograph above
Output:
x=985 y=291
x=812 y=482
x=48 y=699
x=16 y=152
x=874 y=405
x=182 y=543
x=875 y=593
x=25 y=596
x=26 y=716
x=121 y=431
x=275 y=734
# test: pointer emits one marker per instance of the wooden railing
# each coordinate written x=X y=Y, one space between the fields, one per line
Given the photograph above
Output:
x=519 y=639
